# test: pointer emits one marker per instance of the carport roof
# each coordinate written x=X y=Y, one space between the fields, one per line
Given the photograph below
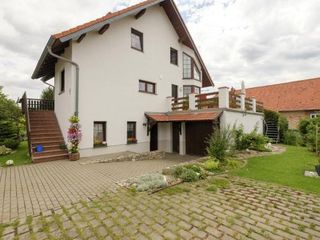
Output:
x=183 y=116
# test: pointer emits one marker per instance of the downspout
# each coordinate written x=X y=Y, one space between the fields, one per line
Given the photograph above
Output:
x=76 y=113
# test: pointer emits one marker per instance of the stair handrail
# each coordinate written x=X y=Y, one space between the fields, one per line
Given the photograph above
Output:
x=25 y=111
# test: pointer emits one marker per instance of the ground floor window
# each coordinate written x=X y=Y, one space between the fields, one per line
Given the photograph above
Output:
x=99 y=134
x=314 y=115
x=188 y=89
x=131 y=132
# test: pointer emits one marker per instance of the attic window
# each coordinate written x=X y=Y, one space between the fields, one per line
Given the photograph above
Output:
x=173 y=56
x=136 y=40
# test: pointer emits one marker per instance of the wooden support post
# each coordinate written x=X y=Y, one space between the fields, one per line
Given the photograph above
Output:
x=104 y=28
x=81 y=37
x=140 y=14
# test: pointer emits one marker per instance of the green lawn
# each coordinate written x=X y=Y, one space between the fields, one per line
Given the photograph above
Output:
x=286 y=169
x=20 y=156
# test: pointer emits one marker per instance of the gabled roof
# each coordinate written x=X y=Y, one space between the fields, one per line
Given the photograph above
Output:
x=290 y=96
x=58 y=42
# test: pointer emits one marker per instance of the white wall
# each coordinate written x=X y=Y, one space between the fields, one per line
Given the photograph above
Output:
x=109 y=80
x=64 y=102
x=246 y=119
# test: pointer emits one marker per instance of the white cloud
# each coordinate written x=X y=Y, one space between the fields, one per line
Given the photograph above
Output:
x=258 y=41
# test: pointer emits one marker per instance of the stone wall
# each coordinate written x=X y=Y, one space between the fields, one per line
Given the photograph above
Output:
x=155 y=155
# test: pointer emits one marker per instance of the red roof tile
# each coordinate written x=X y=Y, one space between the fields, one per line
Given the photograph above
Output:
x=180 y=117
x=101 y=19
x=290 y=96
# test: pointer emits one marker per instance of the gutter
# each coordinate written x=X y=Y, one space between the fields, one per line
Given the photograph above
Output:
x=45 y=82
x=76 y=113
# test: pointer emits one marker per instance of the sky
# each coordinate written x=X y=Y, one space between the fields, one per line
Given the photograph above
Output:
x=256 y=41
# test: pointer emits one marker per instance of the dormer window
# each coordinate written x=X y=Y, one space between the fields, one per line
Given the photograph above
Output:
x=190 y=69
x=136 y=40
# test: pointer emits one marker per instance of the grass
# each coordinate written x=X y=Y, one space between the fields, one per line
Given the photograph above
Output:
x=286 y=169
x=19 y=156
x=175 y=190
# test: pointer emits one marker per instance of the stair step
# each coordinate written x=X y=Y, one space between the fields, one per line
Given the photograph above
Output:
x=49 y=147
x=45 y=138
x=46 y=134
x=50 y=158
x=49 y=152
x=53 y=142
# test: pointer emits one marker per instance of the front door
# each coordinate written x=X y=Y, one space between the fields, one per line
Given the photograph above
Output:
x=154 y=138
x=175 y=137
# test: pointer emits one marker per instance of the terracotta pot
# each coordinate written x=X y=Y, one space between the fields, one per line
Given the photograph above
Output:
x=74 y=156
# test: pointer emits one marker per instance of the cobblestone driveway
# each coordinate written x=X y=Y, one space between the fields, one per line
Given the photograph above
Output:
x=32 y=189
x=245 y=210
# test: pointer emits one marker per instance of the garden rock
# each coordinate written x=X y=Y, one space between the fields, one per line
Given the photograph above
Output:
x=148 y=182
x=4 y=150
x=311 y=174
x=9 y=163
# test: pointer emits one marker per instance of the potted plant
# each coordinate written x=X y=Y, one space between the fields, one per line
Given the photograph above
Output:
x=74 y=138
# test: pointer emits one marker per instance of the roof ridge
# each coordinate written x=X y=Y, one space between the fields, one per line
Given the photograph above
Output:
x=285 y=83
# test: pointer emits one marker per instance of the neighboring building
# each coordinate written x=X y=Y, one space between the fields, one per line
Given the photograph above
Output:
x=139 y=84
x=294 y=100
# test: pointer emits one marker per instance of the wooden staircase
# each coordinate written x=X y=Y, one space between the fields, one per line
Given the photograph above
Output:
x=43 y=129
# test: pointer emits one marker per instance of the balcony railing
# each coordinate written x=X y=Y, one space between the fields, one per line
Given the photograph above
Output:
x=208 y=100
x=39 y=104
x=223 y=99
x=180 y=103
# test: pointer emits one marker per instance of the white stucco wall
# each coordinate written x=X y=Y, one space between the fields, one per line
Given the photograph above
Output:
x=109 y=81
x=64 y=102
x=248 y=120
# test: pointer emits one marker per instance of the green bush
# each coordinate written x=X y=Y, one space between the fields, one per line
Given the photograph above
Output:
x=196 y=167
x=220 y=144
x=11 y=143
x=211 y=165
x=283 y=127
x=233 y=164
x=251 y=140
x=292 y=137
x=189 y=175
x=307 y=129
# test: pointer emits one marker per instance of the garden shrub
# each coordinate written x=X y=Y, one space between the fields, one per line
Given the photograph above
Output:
x=149 y=182
x=211 y=165
x=292 y=137
x=281 y=121
x=233 y=164
x=196 y=167
x=303 y=125
x=4 y=150
x=253 y=140
x=178 y=171
x=189 y=175
x=11 y=143
x=307 y=129
x=220 y=144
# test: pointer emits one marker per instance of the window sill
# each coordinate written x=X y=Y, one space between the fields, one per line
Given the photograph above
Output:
x=137 y=49
x=177 y=65
x=148 y=93
x=100 y=145
x=60 y=93
x=132 y=142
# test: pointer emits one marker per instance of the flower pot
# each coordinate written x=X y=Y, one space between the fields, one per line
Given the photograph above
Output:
x=74 y=156
x=318 y=169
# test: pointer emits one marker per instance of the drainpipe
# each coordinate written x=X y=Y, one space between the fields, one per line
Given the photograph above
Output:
x=76 y=113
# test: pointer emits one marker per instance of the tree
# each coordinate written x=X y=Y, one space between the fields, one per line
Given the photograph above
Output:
x=47 y=94
x=10 y=121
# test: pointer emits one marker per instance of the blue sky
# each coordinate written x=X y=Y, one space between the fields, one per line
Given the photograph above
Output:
x=258 y=41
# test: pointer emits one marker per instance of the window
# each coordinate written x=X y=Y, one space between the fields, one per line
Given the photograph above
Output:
x=131 y=132
x=99 y=134
x=187 y=66
x=173 y=56
x=147 y=87
x=190 y=69
x=190 y=89
x=314 y=115
x=136 y=40
x=62 y=81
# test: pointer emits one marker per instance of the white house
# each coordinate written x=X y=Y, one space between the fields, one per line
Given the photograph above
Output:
x=138 y=84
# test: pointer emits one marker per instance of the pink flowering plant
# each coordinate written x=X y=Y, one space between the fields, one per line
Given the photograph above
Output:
x=74 y=134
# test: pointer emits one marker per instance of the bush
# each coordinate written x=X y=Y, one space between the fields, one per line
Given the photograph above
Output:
x=211 y=165
x=220 y=144
x=292 y=137
x=195 y=167
x=251 y=140
x=11 y=143
x=4 y=150
x=149 y=182
x=307 y=128
x=189 y=175
x=233 y=164
x=283 y=127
